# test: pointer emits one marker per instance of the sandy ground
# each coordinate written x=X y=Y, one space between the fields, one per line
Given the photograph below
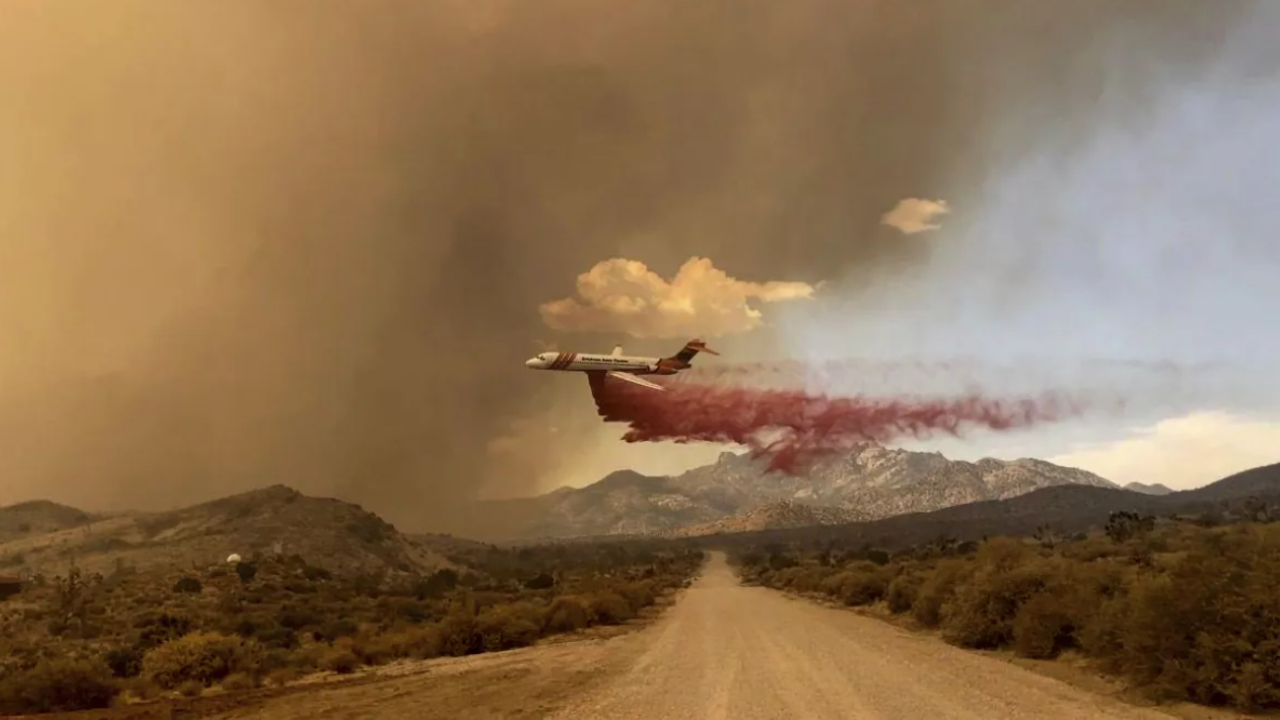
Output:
x=722 y=651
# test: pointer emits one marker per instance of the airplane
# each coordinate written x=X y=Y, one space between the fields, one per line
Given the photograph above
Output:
x=617 y=365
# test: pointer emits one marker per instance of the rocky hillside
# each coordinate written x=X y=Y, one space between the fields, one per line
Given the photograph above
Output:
x=1064 y=509
x=327 y=533
x=869 y=483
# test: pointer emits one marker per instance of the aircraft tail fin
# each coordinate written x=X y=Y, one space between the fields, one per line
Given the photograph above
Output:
x=692 y=348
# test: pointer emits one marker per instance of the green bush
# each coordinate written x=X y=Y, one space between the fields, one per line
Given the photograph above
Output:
x=204 y=657
x=239 y=681
x=417 y=642
x=981 y=613
x=566 y=614
x=500 y=630
x=901 y=594
x=340 y=661
x=285 y=617
x=1187 y=612
x=1209 y=629
x=937 y=590
x=60 y=685
x=608 y=608
x=863 y=586
x=639 y=595
x=1042 y=627
x=459 y=636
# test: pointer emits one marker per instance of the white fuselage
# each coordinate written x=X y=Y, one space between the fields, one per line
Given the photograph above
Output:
x=585 y=362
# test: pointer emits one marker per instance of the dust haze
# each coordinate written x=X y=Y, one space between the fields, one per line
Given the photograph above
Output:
x=297 y=242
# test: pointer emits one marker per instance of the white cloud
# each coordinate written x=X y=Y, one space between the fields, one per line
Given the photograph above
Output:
x=914 y=215
x=1183 y=452
x=625 y=296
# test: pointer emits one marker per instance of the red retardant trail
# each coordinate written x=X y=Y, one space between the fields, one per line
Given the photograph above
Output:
x=793 y=428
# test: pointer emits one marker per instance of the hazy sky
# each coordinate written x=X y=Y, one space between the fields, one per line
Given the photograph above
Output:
x=307 y=242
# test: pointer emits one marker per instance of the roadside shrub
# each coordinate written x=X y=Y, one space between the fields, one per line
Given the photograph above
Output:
x=1207 y=630
x=981 y=613
x=1042 y=627
x=1098 y=634
x=863 y=586
x=639 y=595
x=499 y=630
x=608 y=608
x=139 y=689
x=239 y=681
x=566 y=614
x=901 y=594
x=58 y=685
x=458 y=635
x=204 y=657
x=191 y=689
x=283 y=676
x=937 y=590
x=340 y=661
x=376 y=649
x=420 y=643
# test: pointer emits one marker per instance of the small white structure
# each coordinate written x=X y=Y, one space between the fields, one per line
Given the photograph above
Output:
x=233 y=558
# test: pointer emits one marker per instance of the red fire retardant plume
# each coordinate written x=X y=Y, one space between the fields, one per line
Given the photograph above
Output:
x=793 y=428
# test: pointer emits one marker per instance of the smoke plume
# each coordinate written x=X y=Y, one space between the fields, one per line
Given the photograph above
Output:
x=305 y=241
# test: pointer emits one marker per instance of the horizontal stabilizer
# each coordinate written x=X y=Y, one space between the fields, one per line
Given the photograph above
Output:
x=633 y=379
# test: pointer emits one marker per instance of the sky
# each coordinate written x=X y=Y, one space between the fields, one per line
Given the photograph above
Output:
x=312 y=244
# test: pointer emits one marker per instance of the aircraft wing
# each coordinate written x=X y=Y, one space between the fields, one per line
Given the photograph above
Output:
x=634 y=379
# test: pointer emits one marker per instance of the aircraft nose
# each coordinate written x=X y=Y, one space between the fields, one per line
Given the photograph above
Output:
x=533 y=363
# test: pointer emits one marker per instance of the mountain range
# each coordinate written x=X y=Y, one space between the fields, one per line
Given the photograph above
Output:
x=46 y=537
x=738 y=491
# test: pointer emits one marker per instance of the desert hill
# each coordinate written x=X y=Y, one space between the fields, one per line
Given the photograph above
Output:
x=326 y=532
x=1152 y=489
x=871 y=482
x=1259 y=481
x=38 y=517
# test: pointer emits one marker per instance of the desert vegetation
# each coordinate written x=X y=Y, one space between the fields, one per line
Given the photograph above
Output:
x=1183 y=609
x=79 y=641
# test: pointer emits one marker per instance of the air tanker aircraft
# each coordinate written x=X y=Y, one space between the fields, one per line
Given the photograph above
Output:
x=622 y=367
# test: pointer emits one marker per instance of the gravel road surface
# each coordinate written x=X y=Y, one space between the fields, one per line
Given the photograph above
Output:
x=723 y=651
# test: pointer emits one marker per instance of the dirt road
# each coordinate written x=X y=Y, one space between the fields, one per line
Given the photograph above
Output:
x=723 y=651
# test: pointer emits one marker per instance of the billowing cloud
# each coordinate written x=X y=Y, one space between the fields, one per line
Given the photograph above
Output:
x=914 y=215
x=1183 y=452
x=625 y=296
